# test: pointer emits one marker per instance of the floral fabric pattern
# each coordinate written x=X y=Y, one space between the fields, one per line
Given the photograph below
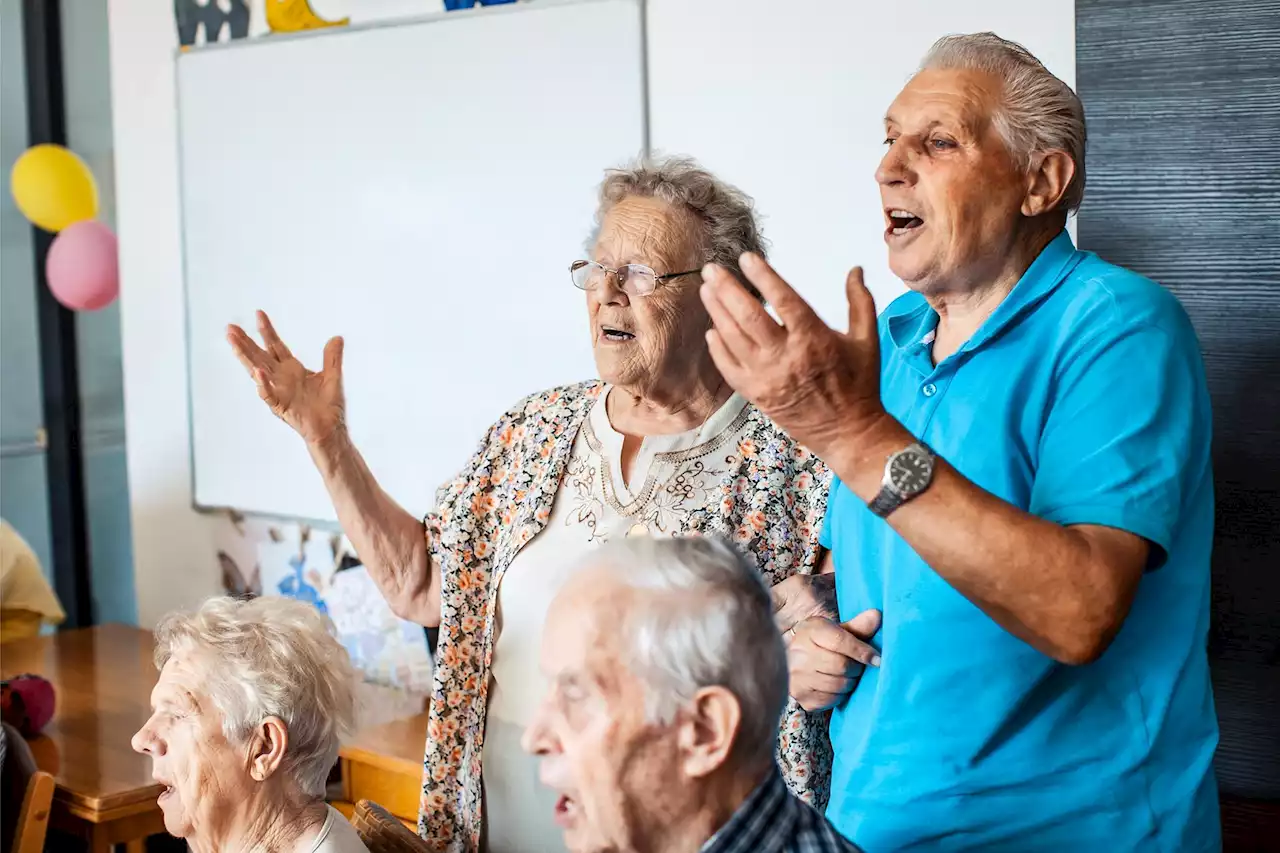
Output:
x=770 y=500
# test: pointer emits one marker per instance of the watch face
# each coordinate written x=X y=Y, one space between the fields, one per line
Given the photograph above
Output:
x=910 y=472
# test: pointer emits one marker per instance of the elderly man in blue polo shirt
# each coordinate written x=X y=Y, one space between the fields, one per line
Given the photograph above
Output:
x=1023 y=521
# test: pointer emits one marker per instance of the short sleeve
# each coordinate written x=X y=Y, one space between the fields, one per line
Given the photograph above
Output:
x=1128 y=434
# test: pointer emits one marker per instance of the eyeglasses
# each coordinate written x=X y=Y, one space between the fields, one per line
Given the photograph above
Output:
x=633 y=279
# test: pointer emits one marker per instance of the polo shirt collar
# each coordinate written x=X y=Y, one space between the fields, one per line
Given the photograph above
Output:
x=915 y=321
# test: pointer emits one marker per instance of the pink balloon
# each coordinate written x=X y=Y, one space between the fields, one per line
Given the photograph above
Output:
x=83 y=266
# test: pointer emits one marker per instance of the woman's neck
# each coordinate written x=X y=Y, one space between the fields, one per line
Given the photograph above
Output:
x=277 y=826
x=666 y=410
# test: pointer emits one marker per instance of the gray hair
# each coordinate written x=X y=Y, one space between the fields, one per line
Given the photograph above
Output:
x=271 y=657
x=707 y=622
x=727 y=214
x=1040 y=113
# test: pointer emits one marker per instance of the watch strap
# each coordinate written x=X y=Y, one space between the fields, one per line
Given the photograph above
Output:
x=885 y=502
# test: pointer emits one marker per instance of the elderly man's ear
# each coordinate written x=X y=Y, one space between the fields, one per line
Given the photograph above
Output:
x=709 y=730
x=267 y=744
x=1047 y=182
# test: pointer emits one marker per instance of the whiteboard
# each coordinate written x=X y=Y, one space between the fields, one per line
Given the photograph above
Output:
x=786 y=100
x=420 y=189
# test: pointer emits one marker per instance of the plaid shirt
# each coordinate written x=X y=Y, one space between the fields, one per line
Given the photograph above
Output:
x=772 y=820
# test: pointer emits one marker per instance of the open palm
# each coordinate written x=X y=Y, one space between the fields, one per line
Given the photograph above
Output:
x=311 y=402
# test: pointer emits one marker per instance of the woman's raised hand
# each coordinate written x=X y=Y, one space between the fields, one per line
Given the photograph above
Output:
x=310 y=402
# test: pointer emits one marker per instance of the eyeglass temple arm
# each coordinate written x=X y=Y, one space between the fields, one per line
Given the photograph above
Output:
x=676 y=274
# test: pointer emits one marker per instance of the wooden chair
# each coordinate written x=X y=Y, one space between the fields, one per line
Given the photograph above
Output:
x=28 y=794
x=382 y=832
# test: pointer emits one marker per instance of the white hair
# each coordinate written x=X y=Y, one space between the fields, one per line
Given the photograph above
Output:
x=725 y=214
x=707 y=621
x=1039 y=112
x=270 y=657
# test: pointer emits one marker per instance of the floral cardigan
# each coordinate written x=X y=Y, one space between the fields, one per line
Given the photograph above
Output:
x=771 y=504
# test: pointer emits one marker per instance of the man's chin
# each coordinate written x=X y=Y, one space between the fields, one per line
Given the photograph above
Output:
x=910 y=270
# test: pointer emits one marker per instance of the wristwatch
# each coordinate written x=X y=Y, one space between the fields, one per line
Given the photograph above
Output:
x=907 y=473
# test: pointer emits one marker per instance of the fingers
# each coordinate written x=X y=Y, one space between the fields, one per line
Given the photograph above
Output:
x=275 y=346
x=822 y=676
x=791 y=308
x=725 y=360
x=862 y=307
x=835 y=638
x=821 y=661
x=333 y=355
x=832 y=685
x=265 y=389
x=813 y=701
x=742 y=321
x=865 y=625
x=817 y=691
x=250 y=354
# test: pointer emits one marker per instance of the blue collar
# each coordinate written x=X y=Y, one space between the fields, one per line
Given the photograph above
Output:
x=912 y=323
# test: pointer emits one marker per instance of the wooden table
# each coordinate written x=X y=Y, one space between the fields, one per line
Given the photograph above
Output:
x=384 y=764
x=103 y=677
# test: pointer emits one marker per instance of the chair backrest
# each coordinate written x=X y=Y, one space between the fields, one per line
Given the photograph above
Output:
x=382 y=832
x=27 y=795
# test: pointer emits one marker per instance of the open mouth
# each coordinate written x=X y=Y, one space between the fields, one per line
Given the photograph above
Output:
x=566 y=810
x=168 y=791
x=902 y=221
x=617 y=335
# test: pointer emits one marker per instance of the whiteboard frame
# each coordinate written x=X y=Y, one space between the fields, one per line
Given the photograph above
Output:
x=266 y=40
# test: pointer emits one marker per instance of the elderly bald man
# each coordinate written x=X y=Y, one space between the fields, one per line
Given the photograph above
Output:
x=1023 y=449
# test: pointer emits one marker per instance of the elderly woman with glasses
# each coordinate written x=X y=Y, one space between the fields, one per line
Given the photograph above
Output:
x=244 y=726
x=659 y=445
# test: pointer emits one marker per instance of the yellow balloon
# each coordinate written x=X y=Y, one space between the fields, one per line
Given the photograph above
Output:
x=53 y=187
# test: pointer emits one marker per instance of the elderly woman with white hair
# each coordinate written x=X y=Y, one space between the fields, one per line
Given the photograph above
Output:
x=1025 y=492
x=659 y=445
x=244 y=728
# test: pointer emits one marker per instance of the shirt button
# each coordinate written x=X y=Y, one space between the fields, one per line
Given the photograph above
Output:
x=929 y=390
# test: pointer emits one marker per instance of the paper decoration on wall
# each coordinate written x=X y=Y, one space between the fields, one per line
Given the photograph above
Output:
x=236 y=581
x=292 y=16
x=192 y=16
x=300 y=565
x=453 y=5
x=386 y=649
x=236 y=539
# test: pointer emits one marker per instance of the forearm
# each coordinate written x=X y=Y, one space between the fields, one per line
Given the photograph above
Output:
x=1042 y=582
x=388 y=540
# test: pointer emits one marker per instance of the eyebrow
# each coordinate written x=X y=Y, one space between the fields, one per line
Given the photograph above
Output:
x=937 y=122
x=178 y=698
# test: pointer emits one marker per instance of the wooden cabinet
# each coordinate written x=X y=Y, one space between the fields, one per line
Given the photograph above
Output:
x=384 y=764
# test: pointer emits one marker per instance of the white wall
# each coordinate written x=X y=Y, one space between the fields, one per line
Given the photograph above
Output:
x=174 y=547
x=174 y=560
x=787 y=100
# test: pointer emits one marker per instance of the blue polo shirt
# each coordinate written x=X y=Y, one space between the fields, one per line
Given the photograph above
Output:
x=1081 y=399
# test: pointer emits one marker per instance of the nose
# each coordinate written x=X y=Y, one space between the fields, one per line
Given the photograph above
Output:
x=145 y=742
x=609 y=290
x=895 y=166
x=538 y=739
